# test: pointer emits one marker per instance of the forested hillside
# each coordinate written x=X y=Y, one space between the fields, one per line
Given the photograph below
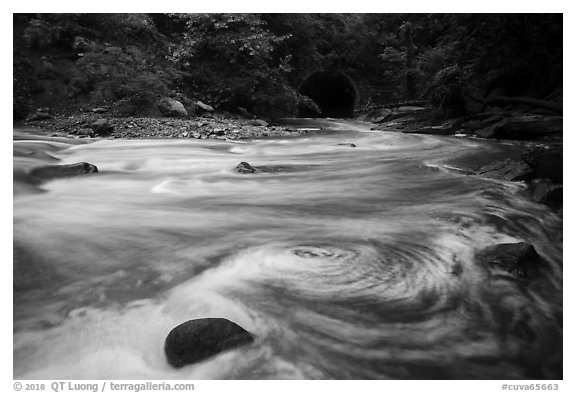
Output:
x=259 y=63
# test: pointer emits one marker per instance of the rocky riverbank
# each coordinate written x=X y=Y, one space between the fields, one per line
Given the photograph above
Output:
x=211 y=126
x=493 y=124
x=537 y=160
x=535 y=139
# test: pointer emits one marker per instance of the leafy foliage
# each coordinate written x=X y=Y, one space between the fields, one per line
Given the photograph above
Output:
x=229 y=58
x=60 y=30
x=100 y=58
x=258 y=61
x=515 y=54
x=235 y=38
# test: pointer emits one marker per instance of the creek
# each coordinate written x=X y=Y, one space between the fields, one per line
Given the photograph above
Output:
x=344 y=262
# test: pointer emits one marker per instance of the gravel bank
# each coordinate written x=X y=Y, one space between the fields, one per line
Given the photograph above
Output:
x=209 y=127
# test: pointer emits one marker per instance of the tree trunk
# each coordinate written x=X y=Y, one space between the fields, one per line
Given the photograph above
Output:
x=409 y=61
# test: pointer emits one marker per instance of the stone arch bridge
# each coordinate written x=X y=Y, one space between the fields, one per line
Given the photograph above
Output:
x=337 y=93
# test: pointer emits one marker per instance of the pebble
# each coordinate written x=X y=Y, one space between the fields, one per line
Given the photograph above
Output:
x=220 y=127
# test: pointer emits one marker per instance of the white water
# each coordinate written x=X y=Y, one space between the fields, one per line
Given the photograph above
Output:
x=340 y=260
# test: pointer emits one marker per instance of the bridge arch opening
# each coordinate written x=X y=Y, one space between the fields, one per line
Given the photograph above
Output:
x=332 y=92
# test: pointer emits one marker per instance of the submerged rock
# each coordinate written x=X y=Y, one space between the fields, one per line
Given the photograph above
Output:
x=49 y=172
x=244 y=167
x=518 y=259
x=200 y=339
x=509 y=169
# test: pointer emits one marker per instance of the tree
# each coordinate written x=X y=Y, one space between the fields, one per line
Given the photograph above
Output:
x=228 y=57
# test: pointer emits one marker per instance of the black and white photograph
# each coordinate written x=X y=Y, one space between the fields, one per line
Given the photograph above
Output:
x=287 y=196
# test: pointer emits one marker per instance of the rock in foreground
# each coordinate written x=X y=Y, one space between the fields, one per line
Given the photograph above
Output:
x=508 y=169
x=49 y=172
x=200 y=339
x=244 y=167
x=519 y=259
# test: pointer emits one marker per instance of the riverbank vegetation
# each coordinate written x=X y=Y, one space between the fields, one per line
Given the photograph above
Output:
x=256 y=63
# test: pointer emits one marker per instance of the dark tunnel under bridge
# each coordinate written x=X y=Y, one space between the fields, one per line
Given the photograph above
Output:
x=334 y=94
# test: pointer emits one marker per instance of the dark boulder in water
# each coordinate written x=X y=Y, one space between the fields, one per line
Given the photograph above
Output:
x=547 y=164
x=244 y=167
x=200 y=339
x=519 y=259
x=545 y=192
x=509 y=169
x=50 y=172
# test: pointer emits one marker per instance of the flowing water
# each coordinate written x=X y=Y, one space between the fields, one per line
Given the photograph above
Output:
x=343 y=262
